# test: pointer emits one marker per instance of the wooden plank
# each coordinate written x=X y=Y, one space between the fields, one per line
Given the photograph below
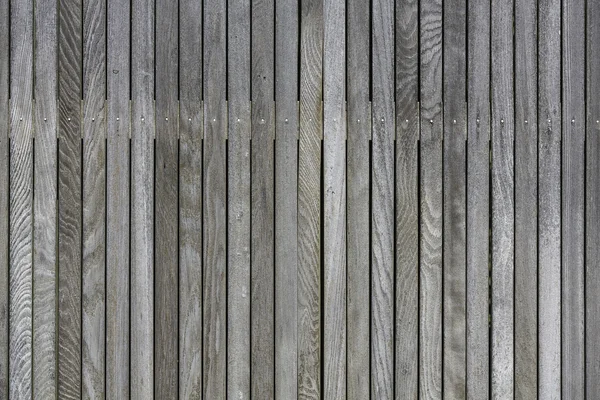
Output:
x=573 y=200
x=286 y=199
x=478 y=196
x=502 y=181
x=309 y=194
x=69 y=199
x=117 y=199
x=21 y=200
x=44 y=202
x=94 y=201
x=215 y=192
x=4 y=196
x=526 y=198
x=454 y=234
x=358 y=200
x=430 y=241
x=142 y=200
x=190 y=199
x=334 y=201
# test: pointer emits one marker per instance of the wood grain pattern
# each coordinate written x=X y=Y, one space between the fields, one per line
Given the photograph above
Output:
x=526 y=197
x=309 y=194
x=358 y=320
x=430 y=241
x=44 y=202
x=4 y=196
x=21 y=201
x=215 y=195
x=573 y=201
x=286 y=199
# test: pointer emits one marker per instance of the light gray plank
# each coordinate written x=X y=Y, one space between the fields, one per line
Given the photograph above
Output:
x=44 y=202
x=4 y=197
x=286 y=199
x=430 y=241
x=21 y=200
x=334 y=200
x=573 y=200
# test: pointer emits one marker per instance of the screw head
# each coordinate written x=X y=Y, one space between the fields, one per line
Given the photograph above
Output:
x=166 y=118
x=358 y=120
x=573 y=121
x=454 y=121
x=406 y=121
x=189 y=119
x=431 y=121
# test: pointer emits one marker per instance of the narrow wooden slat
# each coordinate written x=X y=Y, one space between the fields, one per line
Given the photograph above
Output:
x=142 y=200
x=502 y=181
x=430 y=241
x=334 y=200
x=215 y=186
x=4 y=197
x=526 y=192
x=21 y=200
x=358 y=200
x=286 y=199
x=190 y=199
x=309 y=194
x=573 y=200
x=165 y=208
x=69 y=199
x=44 y=202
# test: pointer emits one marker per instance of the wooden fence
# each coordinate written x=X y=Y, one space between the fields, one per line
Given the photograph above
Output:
x=282 y=199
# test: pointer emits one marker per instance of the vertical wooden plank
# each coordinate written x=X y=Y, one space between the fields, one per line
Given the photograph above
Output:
x=44 y=202
x=117 y=199
x=334 y=202
x=142 y=200
x=215 y=222
x=358 y=200
x=309 y=195
x=502 y=181
x=4 y=197
x=286 y=199
x=69 y=199
x=21 y=200
x=573 y=200
x=190 y=199
x=478 y=197
x=526 y=198
x=430 y=300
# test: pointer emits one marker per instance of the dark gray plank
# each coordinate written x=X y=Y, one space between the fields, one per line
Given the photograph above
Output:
x=166 y=210
x=117 y=199
x=430 y=300
x=190 y=199
x=407 y=199
x=4 y=197
x=573 y=200
x=334 y=200
x=21 y=200
x=358 y=319
x=69 y=199
x=44 y=202
x=286 y=199
x=142 y=200
x=526 y=210
x=215 y=213
x=502 y=181
x=309 y=194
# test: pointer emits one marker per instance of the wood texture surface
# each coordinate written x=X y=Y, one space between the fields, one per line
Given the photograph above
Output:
x=4 y=196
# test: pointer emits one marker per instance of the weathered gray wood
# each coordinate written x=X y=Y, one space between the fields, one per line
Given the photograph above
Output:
x=358 y=319
x=69 y=199
x=190 y=199
x=117 y=199
x=454 y=253
x=21 y=200
x=286 y=199
x=142 y=200
x=166 y=211
x=430 y=300
x=502 y=181
x=309 y=194
x=382 y=197
x=334 y=200
x=4 y=197
x=573 y=200
x=215 y=186
x=44 y=202
x=526 y=210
